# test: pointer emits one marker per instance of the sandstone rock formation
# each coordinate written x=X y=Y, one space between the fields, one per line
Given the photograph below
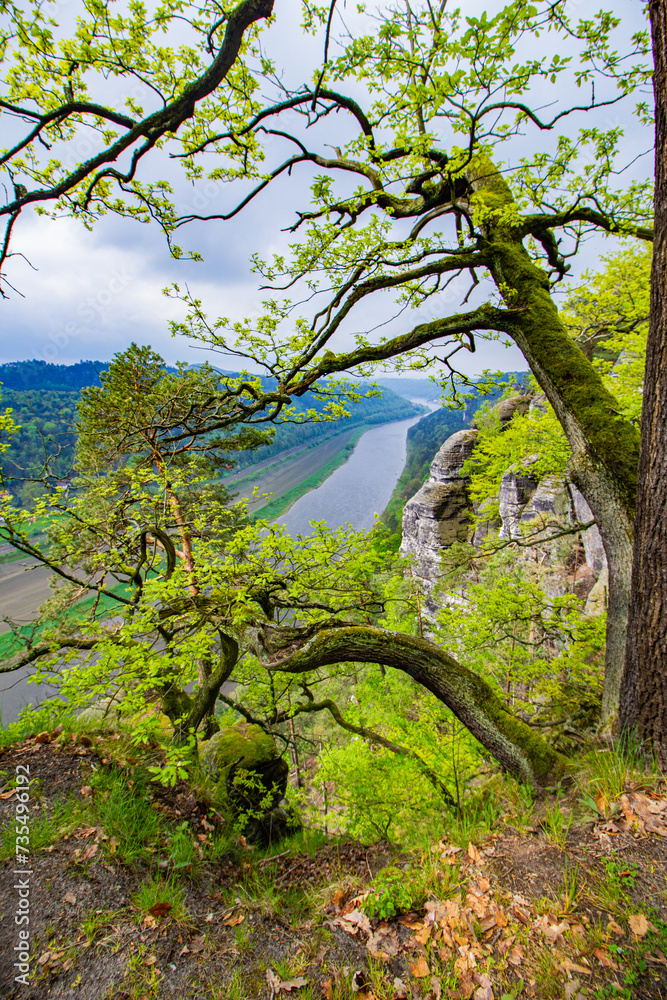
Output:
x=438 y=515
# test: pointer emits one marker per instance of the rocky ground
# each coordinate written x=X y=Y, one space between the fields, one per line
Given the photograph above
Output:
x=147 y=897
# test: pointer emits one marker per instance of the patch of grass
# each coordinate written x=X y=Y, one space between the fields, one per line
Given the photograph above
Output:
x=46 y=828
x=32 y=721
x=95 y=922
x=556 y=824
x=184 y=856
x=475 y=820
x=158 y=891
x=609 y=770
x=121 y=806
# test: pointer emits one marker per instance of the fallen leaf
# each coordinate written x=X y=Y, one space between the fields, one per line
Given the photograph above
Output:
x=604 y=959
x=400 y=988
x=234 y=919
x=43 y=738
x=614 y=928
x=515 y=955
x=8 y=795
x=150 y=960
x=638 y=924
x=67 y=965
x=354 y=921
x=383 y=943
x=424 y=934
x=70 y=898
x=484 y=884
x=160 y=909
x=473 y=853
x=287 y=985
x=501 y=917
x=327 y=989
x=420 y=968
x=43 y=958
x=601 y=802
x=197 y=944
x=436 y=988
x=569 y=966
x=88 y=852
x=86 y=790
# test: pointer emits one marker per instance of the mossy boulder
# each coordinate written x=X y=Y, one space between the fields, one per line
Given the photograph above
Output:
x=251 y=777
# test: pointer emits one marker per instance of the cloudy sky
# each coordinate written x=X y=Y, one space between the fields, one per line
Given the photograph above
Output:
x=89 y=294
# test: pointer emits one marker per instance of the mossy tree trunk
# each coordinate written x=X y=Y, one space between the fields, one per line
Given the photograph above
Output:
x=605 y=446
x=512 y=742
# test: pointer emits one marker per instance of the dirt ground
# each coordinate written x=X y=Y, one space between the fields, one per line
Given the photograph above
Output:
x=505 y=928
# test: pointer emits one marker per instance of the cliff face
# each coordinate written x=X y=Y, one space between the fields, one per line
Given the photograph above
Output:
x=438 y=515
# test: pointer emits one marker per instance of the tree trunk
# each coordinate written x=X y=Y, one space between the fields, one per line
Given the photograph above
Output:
x=512 y=742
x=604 y=445
x=644 y=689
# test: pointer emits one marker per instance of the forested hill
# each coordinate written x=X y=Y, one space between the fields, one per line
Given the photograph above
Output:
x=42 y=375
x=43 y=398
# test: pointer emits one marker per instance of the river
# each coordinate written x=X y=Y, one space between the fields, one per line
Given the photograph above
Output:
x=362 y=487
x=354 y=494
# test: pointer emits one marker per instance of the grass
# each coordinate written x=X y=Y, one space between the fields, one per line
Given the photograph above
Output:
x=45 y=828
x=161 y=892
x=121 y=806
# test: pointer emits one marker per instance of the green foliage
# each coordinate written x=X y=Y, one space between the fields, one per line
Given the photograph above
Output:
x=607 y=314
x=542 y=653
x=394 y=891
x=532 y=444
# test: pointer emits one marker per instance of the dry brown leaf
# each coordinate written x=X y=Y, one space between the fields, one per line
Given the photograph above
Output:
x=436 y=989
x=43 y=738
x=400 y=988
x=604 y=959
x=197 y=944
x=521 y=914
x=327 y=989
x=501 y=917
x=234 y=919
x=43 y=958
x=150 y=960
x=70 y=898
x=287 y=985
x=569 y=966
x=149 y=921
x=473 y=853
x=424 y=934
x=338 y=898
x=614 y=928
x=602 y=802
x=354 y=921
x=85 y=790
x=8 y=795
x=638 y=924
x=484 y=884
x=383 y=943
x=420 y=968
x=515 y=955
x=160 y=909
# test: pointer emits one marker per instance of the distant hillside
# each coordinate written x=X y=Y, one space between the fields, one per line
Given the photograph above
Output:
x=413 y=388
x=43 y=398
x=30 y=375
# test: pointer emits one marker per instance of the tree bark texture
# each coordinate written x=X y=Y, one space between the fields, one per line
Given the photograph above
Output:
x=644 y=689
x=604 y=445
x=517 y=747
